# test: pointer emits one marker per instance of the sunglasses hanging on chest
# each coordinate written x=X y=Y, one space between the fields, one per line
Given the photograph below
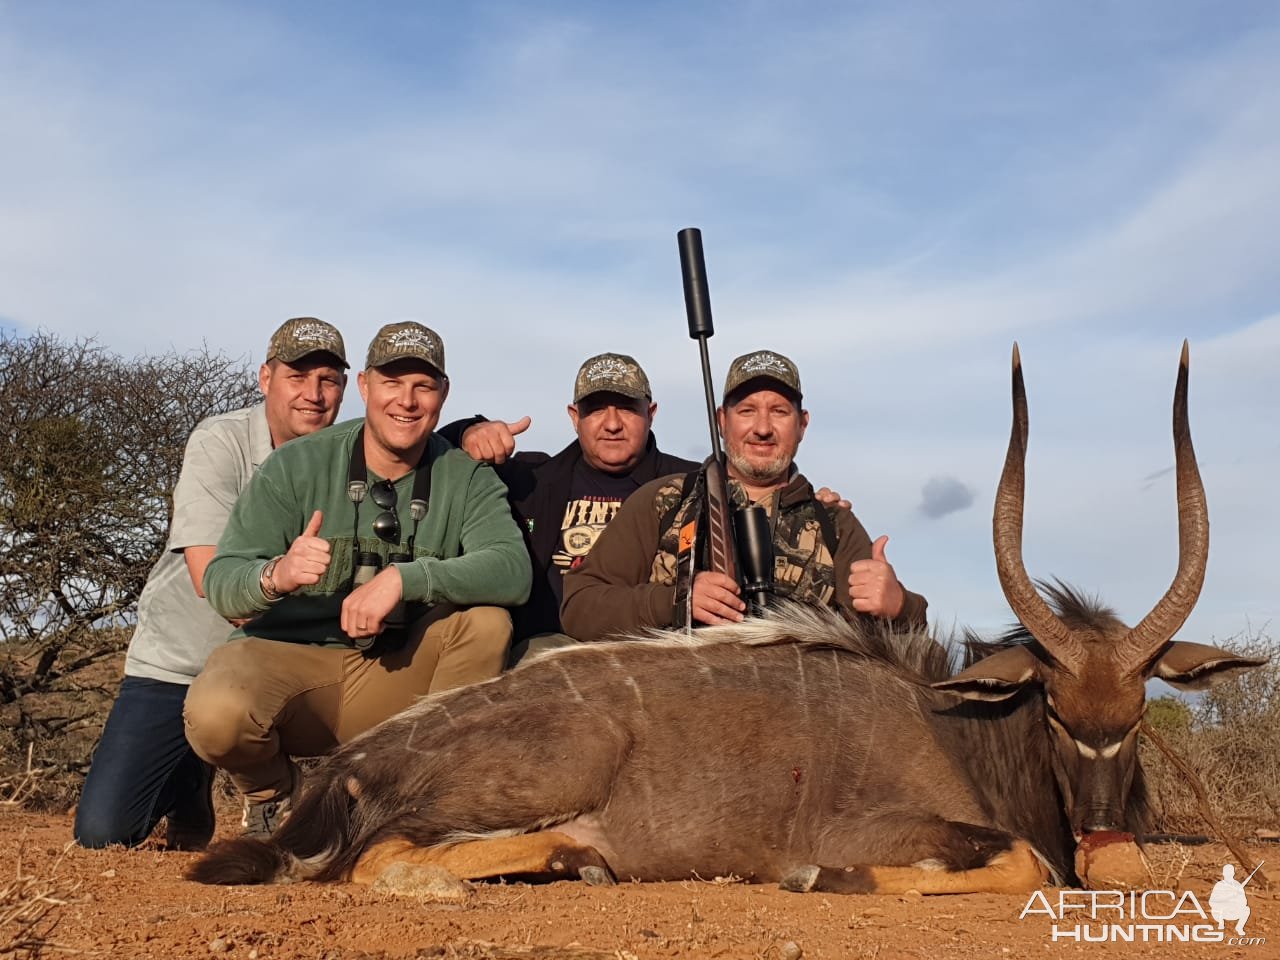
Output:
x=386 y=525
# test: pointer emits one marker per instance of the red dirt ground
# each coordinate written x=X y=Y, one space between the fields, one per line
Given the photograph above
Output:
x=135 y=904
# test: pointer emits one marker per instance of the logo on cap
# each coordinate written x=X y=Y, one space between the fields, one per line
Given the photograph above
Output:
x=407 y=340
x=300 y=336
x=613 y=373
x=763 y=364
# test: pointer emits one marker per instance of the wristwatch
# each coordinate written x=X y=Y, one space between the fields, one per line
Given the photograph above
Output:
x=268 y=584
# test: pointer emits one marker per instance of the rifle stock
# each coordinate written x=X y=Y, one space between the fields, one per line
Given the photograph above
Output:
x=721 y=550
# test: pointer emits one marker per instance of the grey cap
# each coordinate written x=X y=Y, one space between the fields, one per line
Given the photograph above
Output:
x=763 y=365
x=301 y=336
x=612 y=373
x=406 y=341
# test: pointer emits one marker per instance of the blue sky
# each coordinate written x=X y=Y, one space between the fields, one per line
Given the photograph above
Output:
x=891 y=194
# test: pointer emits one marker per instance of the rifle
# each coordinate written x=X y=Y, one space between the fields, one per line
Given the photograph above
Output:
x=739 y=542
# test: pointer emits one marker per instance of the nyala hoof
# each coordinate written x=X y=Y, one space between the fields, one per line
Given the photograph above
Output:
x=596 y=876
x=800 y=880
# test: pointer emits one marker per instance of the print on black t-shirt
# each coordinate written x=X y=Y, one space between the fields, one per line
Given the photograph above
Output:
x=594 y=500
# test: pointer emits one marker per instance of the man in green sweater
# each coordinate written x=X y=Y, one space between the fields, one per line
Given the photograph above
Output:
x=372 y=562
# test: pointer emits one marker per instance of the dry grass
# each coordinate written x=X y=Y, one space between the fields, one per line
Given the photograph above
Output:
x=1228 y=736
x=49 y=728
x=1167 y=862
x=21 y=785
x=29 y=908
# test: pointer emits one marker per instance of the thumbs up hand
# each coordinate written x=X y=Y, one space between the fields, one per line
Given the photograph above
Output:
x=494 y=440
x=307 y=559
x=874 y=587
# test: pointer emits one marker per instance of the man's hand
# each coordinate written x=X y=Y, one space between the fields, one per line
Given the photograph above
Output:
x=829 y=498
x=307 y=559
x=367 y=605
x=494 y=440
x=715 y=598
x=874 y=587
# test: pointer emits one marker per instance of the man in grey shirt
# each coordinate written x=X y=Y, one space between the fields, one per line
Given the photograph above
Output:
x=144 y=769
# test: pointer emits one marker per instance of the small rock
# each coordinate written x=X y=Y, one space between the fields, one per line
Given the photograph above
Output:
x=107 y=873
x=791 y=951
x=653 y=934
x=253 y=954
x=873 y=912
x=427 y=882
x=219 y=945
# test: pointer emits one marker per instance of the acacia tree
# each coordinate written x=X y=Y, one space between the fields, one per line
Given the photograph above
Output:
x=91 y=445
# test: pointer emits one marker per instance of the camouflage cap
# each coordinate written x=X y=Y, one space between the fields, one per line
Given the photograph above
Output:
x=611 y=373
x=301 y=336
x=763 y=365
x=406 y=341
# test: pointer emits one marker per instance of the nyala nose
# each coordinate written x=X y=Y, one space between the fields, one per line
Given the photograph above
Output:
x=1101 y=822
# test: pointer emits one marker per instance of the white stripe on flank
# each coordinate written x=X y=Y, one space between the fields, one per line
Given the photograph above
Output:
x=635 y=687
x=704 y=668
x=570 y=684
x=804 y=687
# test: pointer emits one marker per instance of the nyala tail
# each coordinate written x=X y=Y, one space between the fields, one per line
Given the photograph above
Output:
x=242 y=860
x=314 y=843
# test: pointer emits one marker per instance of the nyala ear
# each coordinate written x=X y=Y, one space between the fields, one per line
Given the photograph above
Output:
x=1194 y=666
x=997 y=677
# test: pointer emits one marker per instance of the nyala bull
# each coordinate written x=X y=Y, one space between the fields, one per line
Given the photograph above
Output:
x=801 y=748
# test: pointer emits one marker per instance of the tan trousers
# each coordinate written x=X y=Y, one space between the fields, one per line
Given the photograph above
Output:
x=258 y=702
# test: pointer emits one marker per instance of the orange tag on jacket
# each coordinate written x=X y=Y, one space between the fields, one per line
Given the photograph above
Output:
x=686 y=536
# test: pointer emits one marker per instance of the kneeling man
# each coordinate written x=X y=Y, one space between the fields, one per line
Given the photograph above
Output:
x=374 y=561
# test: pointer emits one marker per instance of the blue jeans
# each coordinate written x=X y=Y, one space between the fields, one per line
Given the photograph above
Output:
x=144 y=770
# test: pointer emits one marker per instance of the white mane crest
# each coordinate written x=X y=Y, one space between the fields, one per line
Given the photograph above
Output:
x=788 y=623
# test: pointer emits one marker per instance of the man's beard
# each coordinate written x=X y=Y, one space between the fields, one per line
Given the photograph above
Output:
x=761 y=474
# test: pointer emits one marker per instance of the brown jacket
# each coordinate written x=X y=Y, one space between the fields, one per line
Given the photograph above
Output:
x=627 y=582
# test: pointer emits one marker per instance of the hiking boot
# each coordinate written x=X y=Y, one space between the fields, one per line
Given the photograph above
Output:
x=189 y=825
x=262 y=818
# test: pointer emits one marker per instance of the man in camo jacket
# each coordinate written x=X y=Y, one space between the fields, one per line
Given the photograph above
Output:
x=822 y=554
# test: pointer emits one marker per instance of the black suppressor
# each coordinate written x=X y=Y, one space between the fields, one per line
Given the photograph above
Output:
x=755 y=557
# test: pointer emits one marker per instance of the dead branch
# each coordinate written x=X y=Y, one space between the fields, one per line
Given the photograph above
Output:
x=1205 y=808
x=15 y=790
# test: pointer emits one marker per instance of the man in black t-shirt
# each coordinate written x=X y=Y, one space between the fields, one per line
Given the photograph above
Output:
x=563 y=502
